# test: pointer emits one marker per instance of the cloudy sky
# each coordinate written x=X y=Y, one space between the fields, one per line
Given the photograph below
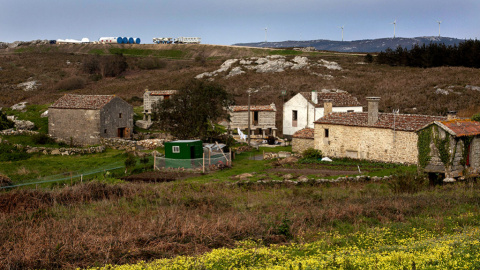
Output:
x=236 y=21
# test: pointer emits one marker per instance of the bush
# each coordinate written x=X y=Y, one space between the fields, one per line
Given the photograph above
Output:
x=368 y=58
x=130 y=162
x=105 y=66
x=42 y=138
x=408 y=183
x=476 y=117
x=311 y=153
x=151 y=63
x=71 y=83
x=4 y=122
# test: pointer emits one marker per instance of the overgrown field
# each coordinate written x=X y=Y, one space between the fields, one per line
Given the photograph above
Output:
x=95 y=224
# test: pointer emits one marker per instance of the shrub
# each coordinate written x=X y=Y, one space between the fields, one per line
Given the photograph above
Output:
x=368 y=58
x=476 y=117
x=42 y=138
x=409 y=182
x=311 y=153
x=11 y=153
x=130 y=162
x=151 y=63
x=4 y=122
x=71 y=83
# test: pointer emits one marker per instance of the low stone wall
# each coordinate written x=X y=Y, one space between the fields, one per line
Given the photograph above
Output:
x=63 y=151
x=300 y=144
x=305 y=180
x=129 y=145
x=11 y=131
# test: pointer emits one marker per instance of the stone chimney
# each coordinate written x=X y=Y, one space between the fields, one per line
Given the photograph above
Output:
x=314 y=97
x=451 y=115
x=327 y=106
x=372 y=110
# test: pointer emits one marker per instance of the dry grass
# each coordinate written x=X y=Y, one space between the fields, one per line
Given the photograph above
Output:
x=94 y=224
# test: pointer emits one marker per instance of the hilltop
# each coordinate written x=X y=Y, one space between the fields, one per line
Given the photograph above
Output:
x=365 y=45
x=40 y=74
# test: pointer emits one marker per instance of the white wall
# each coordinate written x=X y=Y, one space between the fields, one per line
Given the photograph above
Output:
x=307 y=113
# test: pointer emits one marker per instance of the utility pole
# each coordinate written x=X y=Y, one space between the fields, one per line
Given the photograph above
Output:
x=249 y=91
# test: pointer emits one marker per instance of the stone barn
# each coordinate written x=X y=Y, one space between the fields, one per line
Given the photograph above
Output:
x=262 y=120
x=85 y=119
x=450 y=148
x=302 y=140
x=385 y=137
x=152 y=97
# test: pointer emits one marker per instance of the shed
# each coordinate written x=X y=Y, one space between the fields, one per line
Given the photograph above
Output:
x=182 y=153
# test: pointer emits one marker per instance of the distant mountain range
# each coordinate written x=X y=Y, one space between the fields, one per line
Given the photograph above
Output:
x=366 y=45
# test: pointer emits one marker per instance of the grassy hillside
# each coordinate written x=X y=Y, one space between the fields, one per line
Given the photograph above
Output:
x=60 y=67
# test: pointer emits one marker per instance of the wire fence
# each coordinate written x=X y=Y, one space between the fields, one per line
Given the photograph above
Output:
x=72 y=176
x=207 y=163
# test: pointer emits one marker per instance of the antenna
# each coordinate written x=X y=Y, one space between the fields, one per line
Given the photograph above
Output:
x=394 y=26
x=341 y=27
x=439 y=22
x=266 y=33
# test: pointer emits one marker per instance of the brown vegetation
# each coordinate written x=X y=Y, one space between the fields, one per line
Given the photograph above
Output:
x=94 y=224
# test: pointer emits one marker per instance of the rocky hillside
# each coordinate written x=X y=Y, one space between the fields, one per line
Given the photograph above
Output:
x=366 y=45
x=40 y=74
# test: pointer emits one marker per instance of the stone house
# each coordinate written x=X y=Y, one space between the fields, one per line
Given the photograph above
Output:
x=86 y=119
x=450 y=148
x=302 y=140
x=305 y=107
x=152 y=97
x=262 y=120
x=385 y=137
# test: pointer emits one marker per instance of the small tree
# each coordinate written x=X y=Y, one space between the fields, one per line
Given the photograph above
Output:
x=194 y=110
x=130 y=162
x=476 y=117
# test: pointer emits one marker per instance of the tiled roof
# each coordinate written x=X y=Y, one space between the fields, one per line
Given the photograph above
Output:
x=163 y=93
x=88 y=102
x=404 y=122
x=270 y=107
x=461 y=127
x=339 y=99
x=306 y=133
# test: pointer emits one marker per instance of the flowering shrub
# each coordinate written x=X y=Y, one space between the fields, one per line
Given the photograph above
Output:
x=379 y=248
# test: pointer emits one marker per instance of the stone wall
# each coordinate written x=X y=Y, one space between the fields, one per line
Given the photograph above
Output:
x=63 y=151
x=300 y=144
x=377 y=144
x=122 y=144
x=81 y=127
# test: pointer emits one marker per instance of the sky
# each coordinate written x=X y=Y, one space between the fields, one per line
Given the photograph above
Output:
x=227 y=22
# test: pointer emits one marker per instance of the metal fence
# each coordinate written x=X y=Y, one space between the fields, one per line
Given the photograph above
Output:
x=210 y=162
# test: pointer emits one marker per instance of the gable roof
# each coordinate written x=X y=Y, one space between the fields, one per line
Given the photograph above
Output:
x=270 y=108
x=162 y=92
x=403 y=122
x=460 y=127
x=339 y=98
x=87 y=102
x=306 y=133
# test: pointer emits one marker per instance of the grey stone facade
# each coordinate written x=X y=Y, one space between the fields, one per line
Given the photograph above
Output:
x=84 y=120
x=262 y=120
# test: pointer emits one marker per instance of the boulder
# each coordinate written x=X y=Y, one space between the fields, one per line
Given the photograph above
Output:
x=143 y=124
x=55 y=152
x=19 y=106
x=44 y=114
x=24 y=125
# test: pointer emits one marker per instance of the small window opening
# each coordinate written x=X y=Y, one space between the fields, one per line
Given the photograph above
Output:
x=120 y=115
x=326 y=133
x=175 y=149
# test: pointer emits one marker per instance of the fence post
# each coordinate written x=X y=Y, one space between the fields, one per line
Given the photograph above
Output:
x=203 y=167
x=81 y=178
x=230 y=161
x=154 y=160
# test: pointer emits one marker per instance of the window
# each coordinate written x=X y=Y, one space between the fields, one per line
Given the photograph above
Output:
x=326 y=133
x=350 y=110
x=176 y=149
x=105 y=131
x=294 y=118
x=120 y=115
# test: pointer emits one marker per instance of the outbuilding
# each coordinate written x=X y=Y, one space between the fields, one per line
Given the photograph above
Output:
x=86 y=119
x=183 y=153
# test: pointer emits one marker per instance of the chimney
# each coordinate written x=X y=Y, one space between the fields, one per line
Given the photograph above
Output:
x=314 y=97
x=372 y=110
x=451 y=115
x=327 y=106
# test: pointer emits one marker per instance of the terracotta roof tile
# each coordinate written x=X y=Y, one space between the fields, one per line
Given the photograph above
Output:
x=270 y=107
x=339 y=99
x=462 y=127
x=306 y=133
x=88 y=102
x=404 y=122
